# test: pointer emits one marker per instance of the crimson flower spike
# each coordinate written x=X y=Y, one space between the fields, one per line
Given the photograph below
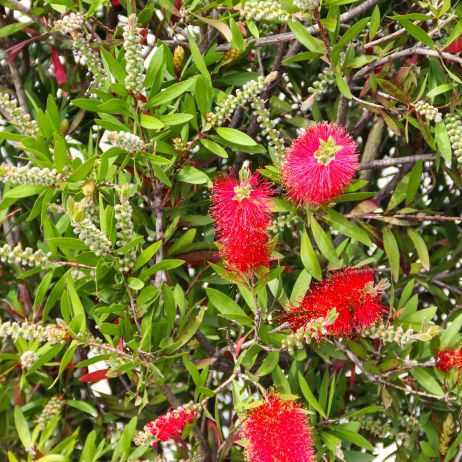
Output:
x=351 y=292
x=242 y=213
x=277 y=430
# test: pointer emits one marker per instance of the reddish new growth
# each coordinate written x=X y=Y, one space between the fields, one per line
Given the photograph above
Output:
x=278 y=430
x=242 y=213
x=171 y=424
x=353 y=295
x=320 y=164
x=449 y=359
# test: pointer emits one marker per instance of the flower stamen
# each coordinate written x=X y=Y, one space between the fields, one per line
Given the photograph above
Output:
x=325 y=154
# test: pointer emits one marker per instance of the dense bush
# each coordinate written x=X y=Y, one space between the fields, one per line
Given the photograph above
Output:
x=181 y=282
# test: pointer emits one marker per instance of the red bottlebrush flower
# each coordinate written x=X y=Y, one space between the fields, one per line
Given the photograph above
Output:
x=455 y=46
x=320 y=164
x=242 y=213
x=171 y=424
x=351 y=292
x=449 y=359
x=277 y=430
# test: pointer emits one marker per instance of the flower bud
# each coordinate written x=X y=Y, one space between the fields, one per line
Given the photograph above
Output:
x=178 y=58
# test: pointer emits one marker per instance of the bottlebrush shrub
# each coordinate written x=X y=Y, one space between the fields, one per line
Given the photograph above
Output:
x=229 y=231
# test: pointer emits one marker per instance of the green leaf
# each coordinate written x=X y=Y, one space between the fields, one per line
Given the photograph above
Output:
x=192 y=175
x=198 y=59
x=83 y=170
x=150 y=122
x=442 y=141
x=235 y=136
x=268 y=364
x=417 y=32
x=420 y=247
x=324 y=243
x=392 y=251
x=342 y=85
x=146 y=255
x=237 y=40
x=227 y=307
x=214 y=148
x=22 y=428
x=11 y=29
x=427 y=381
x=306 y=39
x=175 y=119
x=450 y=334
x=172 y=92
x=308 y=394
x=190 y=328
x=82 y=406
x=23 y=190
x=353 y=437
x=309 y=259
x=346 y=227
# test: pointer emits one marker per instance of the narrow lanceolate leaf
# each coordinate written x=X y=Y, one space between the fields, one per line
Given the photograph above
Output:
x=392 y=251
x=421 y=248
x=308 y=255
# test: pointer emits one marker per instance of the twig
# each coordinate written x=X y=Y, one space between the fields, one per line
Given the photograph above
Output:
x=417 y=50
x=377 y=164
x=378 y=216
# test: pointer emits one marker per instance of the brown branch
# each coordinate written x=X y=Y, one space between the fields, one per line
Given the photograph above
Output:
x=377 y=216
x=382 y=163
x=417 y=50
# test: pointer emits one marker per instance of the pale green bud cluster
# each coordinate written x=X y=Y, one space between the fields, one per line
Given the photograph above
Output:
x=133 y=57
x=430 y=112
x=306 y=5
x=70 y=23
x=92 y=236
x=268 y=126
x=50 y=333
x=25 y=257
x=454 y=126
x=126 y=141
x=314 y=330
x=326 y=78
x=380 y=426
x=389 y=334
x=29 y=175
x=249 y=91
x=264 y=11
x=17 y=116
x=83 y=50
x=91 y=213
x=123 y=213
x=51 y=409
x=143 y=438
x=73 y=24
x=28 y=359
x=283 y=221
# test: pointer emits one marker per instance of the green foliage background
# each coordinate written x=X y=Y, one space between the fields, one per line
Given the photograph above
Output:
x=177 y=328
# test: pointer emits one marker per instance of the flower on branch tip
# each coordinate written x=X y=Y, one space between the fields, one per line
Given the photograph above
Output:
x=277 y=430
x=242 y=213
x=351 y=292
x=449 y=359
x=167 y=426
x=320 y=164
